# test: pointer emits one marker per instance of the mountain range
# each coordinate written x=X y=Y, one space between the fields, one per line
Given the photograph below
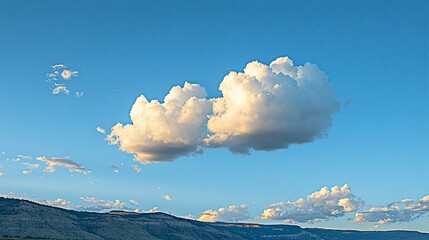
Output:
x=25 y=219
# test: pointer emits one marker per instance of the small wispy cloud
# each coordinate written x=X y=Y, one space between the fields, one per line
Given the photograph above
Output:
x=168 y=198
x=54 y=162
x=20 y=156
x=100 y=130
x=92 y=199
x=115 y=168
x=134 y=202
x=53 y=76
x=2 y=174
x=137 y=168
x=58 y=65
x=31 y=166
x=26 y=172
x=78 y=94
x=60 y=88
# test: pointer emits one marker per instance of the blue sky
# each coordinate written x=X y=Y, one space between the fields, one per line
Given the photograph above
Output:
x=374 y=53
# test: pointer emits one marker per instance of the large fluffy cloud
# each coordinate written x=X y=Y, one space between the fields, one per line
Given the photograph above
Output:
x=232 y=213
x=403 y=211
x=262 y=108
x=164 y=131
x=271 y=107
x=318 y=206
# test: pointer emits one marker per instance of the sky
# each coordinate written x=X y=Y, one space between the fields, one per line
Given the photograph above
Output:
x=311 y=113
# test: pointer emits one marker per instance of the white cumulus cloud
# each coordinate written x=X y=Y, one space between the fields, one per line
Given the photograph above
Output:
x=271 y=107
x=2 y=174
x=318 y=206
x=164 y=131
x=232 y=213
x=265 y=107
x=26 y=172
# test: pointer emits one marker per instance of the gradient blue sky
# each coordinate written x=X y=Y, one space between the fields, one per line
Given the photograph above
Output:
x=375 y=53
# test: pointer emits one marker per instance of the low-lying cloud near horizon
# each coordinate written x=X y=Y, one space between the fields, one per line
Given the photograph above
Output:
x=103 y=205
x=405 y=210
x=319 y=206
x=265 y=107
x=231 y=213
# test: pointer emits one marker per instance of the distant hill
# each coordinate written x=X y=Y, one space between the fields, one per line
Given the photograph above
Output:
x=25 y=219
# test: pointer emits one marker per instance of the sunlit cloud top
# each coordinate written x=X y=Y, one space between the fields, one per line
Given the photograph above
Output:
x=266 y=107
